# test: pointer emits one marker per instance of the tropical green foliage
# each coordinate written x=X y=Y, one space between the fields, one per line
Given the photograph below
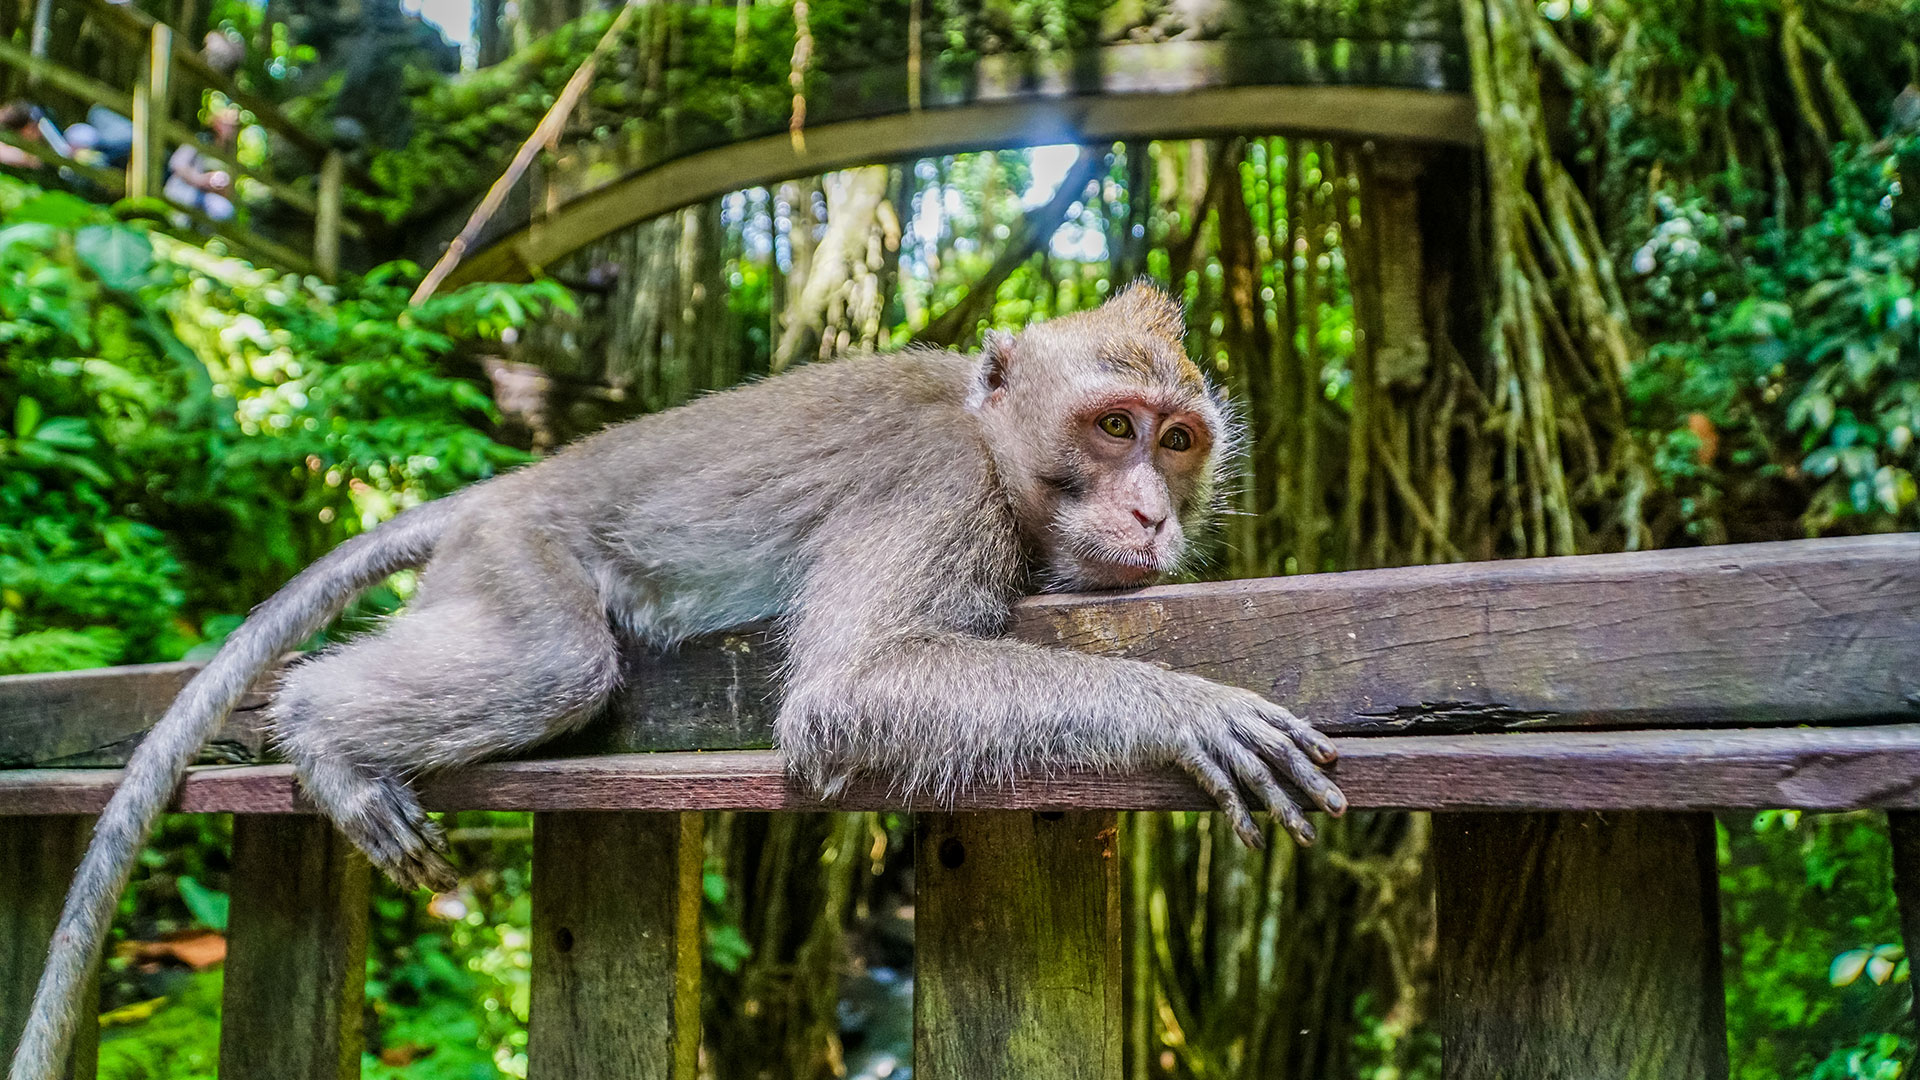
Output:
x=159 y=399
x=1798 y=345
x=1817 y=982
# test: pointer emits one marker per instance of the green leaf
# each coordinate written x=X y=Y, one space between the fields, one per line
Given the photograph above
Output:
x=32 y=233
x=119 y=256
x=65 y=432
x=56 y=208
x=727 y=947
x=26 y=417
x=209 y=908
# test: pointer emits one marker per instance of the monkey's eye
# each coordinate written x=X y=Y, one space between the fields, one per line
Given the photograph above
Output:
x=1118 y=425
x=1177 y=439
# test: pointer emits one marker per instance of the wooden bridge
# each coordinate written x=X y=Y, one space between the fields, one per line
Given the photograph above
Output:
x=1387 y=70
x=636 y=150
x=1572 y=722
x=304 y=179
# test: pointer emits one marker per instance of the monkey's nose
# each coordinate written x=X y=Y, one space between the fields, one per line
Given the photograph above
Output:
x=1147 y=521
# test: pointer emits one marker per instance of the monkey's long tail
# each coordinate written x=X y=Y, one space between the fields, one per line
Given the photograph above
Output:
x=307 y=603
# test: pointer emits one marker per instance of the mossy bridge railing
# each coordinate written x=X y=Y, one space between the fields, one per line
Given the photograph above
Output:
x=697 y=102
x=1572 y=723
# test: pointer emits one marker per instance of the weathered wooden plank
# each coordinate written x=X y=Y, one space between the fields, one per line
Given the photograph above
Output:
x=719 y=692
x=1760 y=768
x=1017 y=962
x=1579 y=947
x=1805 y=631
x=1815 y=630
x=296 y=965
x=616 y=947
x=86 y=718
x=37 y=857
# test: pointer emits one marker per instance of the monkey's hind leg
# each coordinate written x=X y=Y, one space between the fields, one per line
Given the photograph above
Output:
x=506 y=646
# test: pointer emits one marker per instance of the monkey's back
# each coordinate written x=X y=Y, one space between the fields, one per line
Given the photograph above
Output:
x=701 y=517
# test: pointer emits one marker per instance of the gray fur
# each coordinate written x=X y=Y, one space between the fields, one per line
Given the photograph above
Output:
x=888 y=509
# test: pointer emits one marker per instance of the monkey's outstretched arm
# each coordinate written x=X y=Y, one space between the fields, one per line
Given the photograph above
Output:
x=940 y=710
x=290 y=616
x=889 y=675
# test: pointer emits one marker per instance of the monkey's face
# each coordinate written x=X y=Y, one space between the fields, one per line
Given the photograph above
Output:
x=1134 y=471
x=1108 y=441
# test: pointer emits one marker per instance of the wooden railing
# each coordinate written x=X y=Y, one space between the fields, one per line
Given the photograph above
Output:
x=309 y=178
x=1602 y=705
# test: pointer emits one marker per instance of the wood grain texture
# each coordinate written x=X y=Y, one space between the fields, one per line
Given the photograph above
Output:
x=296 y=965
x=1759 y=768
x=1579 y=947
x=1807 y=631
x=84 y=718
x=37 y=857
x=1017 y=963
x=1813 y=630
x=616 y=947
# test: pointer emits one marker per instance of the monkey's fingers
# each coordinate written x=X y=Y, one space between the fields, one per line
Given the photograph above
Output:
x=407 y=845
x=1304 y=735
x=1258 y=778
x=422 y=869
x=1292 y=764
x=1220 y=787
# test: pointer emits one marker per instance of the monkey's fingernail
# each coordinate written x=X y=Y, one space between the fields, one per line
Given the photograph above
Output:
x=1335 y=802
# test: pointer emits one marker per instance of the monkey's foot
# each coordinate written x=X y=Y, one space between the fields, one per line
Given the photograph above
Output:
x=384 y=819
x=408 y=846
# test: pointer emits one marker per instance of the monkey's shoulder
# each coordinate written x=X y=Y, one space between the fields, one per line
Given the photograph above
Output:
x=827 y=434
x=822 y=409
x=908 y=378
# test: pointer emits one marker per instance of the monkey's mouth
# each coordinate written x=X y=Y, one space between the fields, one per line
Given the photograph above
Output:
x=1104 y=566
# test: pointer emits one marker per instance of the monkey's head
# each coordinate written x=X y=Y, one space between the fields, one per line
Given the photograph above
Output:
x=1108 y=438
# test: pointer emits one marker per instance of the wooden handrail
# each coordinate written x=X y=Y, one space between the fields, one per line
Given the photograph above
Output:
x=112 y=181
x=175 y=132
x=65 y=80
x=136 y=26
x=1822 y=768
x=148 y=106
x=1806 y=631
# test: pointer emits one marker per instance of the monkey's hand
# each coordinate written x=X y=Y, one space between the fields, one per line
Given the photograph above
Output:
x=1243 y=741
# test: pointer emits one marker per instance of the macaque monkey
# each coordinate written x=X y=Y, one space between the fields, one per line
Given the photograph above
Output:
x=886 y=509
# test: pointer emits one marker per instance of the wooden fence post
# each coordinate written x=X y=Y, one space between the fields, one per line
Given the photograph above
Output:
x=1579 y=946
x=1903 y=830
x=616 y=946
x=152 y=102
x=37 y=857
x=296 y=951
x=1017 y=961
x=326 y=217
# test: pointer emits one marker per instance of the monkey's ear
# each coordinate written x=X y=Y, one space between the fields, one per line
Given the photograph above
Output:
x=996 y=358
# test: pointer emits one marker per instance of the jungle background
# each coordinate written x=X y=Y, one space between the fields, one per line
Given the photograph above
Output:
x=1671 y=302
